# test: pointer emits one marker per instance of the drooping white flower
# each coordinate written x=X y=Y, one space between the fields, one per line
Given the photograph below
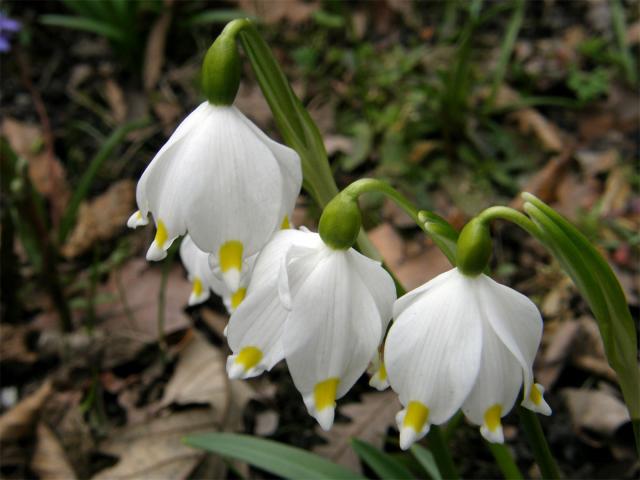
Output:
x=324 y=310
x=462 y=342
x=201 y=275
x=223 y=181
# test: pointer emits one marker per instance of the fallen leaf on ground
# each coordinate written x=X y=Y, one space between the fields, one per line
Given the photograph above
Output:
x=154 y=449
x=293 y=11
x=201 y=377
x=13 y=347
x=596 y=415
x=251 y=100
x=556 y=353
x=594 y=162
x=45 y=171
x=532 y=121
x=136 y=286
x=545 y=182
x=49 y=460
x=389 y=243
x=266 y=423
x=419 y=269
x=369 y=420
x=101 y=218
x=588 y=352
x=115 y=98
x=19 y=422
x=154 y=53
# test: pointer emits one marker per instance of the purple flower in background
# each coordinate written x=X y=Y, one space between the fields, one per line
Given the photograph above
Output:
x=8 y=26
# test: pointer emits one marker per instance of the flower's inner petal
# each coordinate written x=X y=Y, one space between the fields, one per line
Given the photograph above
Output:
x=161 y=243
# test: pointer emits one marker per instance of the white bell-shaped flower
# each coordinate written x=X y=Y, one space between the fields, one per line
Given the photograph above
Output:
x=462 y=342
x=204 y=281
x=223 y=181
x=324 y=310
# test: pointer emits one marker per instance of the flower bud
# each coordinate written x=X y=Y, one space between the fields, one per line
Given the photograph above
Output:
x=221 y=69
x=340 y=222
x=474 y=248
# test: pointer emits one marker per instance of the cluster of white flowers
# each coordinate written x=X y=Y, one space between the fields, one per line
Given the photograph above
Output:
x=457 y=342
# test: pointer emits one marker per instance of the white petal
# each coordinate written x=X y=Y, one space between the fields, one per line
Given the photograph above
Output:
x=290 y=167
x=334 y=326
x=137 y=219
x=379 y=283
x=408 y=298
x=432 y=351
x=516 y=320
x=535 y=400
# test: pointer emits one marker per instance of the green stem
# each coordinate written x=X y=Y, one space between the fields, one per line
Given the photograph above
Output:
x=538 y=443
x=505 y=461
x=441 y=452
x=513 y=216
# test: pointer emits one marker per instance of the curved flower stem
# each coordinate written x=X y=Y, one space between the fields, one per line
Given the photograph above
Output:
x=441 y=452
x=538 y=442
x=505 y=461
x=514 y=216
x=437 y=228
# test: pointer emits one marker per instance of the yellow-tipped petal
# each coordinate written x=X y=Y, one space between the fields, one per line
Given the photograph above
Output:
x=231 y=255
x=138 y=215
x=285 y=223
x=249 y=357
x=416 y=416
x=237 y=297
x=324 y=393
x=161 y=233
x=382 y=372
x=492 y=417
x=197 y=287
x=534 y=395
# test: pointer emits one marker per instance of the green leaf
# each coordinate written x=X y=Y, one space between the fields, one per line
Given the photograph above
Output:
x=86 y=24
x=385 y=466
x=273 y=457
x=427 y=461
x=82 y=189
x=600 y=287
x=214 y=16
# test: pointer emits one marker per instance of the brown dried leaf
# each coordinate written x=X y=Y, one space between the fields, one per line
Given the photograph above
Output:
x=251 y=100
x=133 y=316
x=293 y=11
x=530 y=120
x=596 y=414
x=13 y=347
x=18 y=423
x=101 y=218
x=389 y=243
x=201 y=377
x=370 y=419
x=154 y=54
x=115 y=98
x=153 y=450
x=45 y=171
x=558 y=349
x=544 y=183
x=49 y=460
x=421 y=268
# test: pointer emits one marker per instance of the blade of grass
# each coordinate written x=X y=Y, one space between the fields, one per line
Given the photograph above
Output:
x=384 y=465
x=273 y=457
x=86 y=24
x=505 y=461
x=620 y=29
x=506 y=49
x=427 y=461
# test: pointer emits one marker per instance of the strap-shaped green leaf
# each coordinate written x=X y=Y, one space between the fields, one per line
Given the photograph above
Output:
x=273 y=457
x=383 y=464
x=427 y=461
x=600 y=287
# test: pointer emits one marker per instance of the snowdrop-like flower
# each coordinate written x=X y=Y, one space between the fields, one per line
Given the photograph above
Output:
x=324 y=310
x=201 y=275
x=223 y=181
x=462 y=342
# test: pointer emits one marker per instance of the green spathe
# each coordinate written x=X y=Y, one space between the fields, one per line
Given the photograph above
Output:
x=474 y=248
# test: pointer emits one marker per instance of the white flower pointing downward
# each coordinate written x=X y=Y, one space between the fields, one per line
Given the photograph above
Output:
x=223 y=181
x=462 y=342
x=323 y=310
